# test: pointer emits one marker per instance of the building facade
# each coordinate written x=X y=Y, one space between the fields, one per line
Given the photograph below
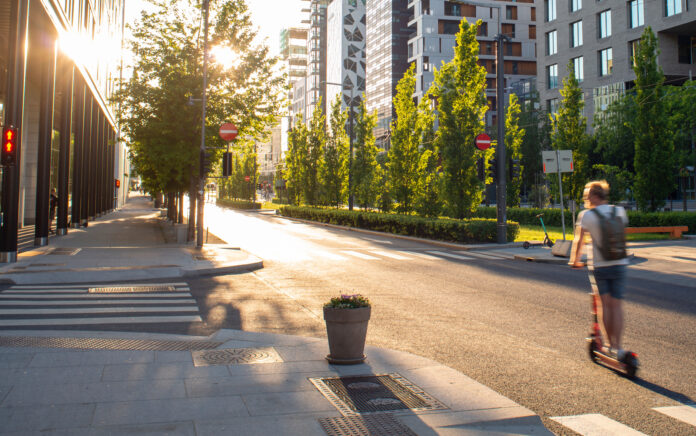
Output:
x=600 y=37
x=60 y=62
x=436 y=23
x=293 y=50
x=388 y=33
x=345 y=61
x=316 y=56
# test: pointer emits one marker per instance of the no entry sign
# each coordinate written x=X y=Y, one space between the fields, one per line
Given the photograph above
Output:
x=228 y=131
x=482 y=141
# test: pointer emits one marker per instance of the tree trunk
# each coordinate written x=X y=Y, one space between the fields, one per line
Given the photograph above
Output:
x=192 y=209
x=180 y=215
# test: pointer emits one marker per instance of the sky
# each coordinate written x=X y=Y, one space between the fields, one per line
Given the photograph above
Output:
x=268 y=16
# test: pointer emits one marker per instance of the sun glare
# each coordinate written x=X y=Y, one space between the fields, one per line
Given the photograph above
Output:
x=224 y=56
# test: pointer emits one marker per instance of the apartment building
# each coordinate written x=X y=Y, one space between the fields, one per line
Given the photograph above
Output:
x=600 y=38
x=436 y=23
x=316 y=55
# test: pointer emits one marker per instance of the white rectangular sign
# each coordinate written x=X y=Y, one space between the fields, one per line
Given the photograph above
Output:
x=551 y=159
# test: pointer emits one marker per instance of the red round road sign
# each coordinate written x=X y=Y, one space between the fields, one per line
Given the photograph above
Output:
x=228 y=131
x=482 y=141
x=247 y=178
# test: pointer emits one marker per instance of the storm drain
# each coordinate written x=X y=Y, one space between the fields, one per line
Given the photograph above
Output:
x=129 y=289
x=64 y=251
x=236 y=356
x=366 y=394
x=106 y=343
x=379 y=424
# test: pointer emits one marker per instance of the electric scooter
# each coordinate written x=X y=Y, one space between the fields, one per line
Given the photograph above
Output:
x=547 y=241
x=626 y=366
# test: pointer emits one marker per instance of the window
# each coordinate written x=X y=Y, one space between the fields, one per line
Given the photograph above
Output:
x=605 y=62
x=551 y=43
x=508 y=29
x=632 y=50
x=672 y=7
x=550 y=10
x=552 y=76
x=605 y=24
x=575 y=5
x=579 y=68
x=635 y=14
x=511 y=12
x=576 y=34
x=687 y=49
x=552 y=106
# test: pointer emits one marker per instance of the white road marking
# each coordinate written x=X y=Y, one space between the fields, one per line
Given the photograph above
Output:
x=97 y=285
x=685 y=414
x=82 y=296
x=99 y=321
x=453 y=256
x=390 y=255
x=79 y=310
x=421 y=255
x=359 y=255
x=93 y=302
x=381 y=241
x=595 y=424
x=328 y=255
x=486 y=255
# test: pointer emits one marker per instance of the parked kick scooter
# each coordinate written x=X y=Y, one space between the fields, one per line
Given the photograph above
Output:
x=627 y=366
x=547 y=241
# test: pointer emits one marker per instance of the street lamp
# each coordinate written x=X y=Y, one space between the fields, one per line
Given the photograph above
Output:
x=201 y=181
x=350 y=142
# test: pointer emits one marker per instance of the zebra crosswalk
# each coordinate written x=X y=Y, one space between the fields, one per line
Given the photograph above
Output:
x=64 y=305
x=594 y=424
x=374 y=255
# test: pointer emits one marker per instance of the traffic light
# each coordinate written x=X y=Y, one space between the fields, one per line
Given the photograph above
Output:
x=493 y=169
x=207 y=164
x=9 y=146
x=226 y=164
x=514 y=169
x=480 y=170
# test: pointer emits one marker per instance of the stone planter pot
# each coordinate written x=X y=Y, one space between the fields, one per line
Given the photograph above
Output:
x=346 y=330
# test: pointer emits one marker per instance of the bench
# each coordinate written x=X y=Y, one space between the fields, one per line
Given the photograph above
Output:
x=675 y=232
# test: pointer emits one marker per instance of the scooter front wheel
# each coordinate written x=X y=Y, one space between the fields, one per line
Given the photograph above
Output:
x=591 y=348
x=631 y=362
x=525 y=245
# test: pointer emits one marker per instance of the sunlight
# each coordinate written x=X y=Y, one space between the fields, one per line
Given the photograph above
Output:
x=84 y=50
x=224 y=56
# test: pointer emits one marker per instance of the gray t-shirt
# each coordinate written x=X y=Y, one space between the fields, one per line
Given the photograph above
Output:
x=590 y=222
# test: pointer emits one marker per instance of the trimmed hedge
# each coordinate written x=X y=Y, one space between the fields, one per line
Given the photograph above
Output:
x=552 y=217
x=445 y=229
x=237 y=204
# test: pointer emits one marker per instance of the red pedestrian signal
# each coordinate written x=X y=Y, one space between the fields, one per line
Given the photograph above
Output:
x=9 y=146
x=118 y=183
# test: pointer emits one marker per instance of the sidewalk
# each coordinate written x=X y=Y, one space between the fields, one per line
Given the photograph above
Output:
x=233 y=382
x=133 y=240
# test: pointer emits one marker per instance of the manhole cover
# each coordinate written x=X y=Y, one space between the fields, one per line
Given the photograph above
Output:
x=106 y=343
x=65 y=251
x=374 y=394
x=128 y=289
x=235 y=356
x=378 y=424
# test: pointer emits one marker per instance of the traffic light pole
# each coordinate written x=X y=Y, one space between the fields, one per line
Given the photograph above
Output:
x=501 y=149
x=201 y=181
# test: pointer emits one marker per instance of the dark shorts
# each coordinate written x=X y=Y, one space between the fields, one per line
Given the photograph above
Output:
x=609 y=280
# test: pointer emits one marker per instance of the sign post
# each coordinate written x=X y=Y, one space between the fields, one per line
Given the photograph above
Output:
x=228 y=132
x=482 y=141
x=558 y=161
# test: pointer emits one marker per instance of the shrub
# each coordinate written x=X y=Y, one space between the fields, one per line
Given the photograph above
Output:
x=348 y=302
x=237 y=204
x=446 y=229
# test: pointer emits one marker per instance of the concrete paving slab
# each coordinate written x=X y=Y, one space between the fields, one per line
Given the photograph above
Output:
x=96 y=357
x=262 y=338
x=161 y=371
x=283 y=368
x=284 y=403
x=168 y=410
x=42 y=418
x=15 y=359
x=507 y=421
x=169 y=429
x=305 y=425
x=42 y=376
x=307 y=352
x=103 y=392
x=239 y=385
x=173 y=356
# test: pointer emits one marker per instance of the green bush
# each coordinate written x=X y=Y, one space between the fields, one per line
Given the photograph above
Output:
x=470 y=231
x=237 y=204
x=658 y=219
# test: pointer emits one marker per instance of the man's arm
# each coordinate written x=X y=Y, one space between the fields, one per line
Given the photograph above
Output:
x=576 y=250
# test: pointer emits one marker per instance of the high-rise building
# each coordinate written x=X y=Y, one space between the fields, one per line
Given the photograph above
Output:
x=600 y=38
x=388 y=33
x=437 y=23
x=345 y=62
x=293 y=50
x=316 y=56
x=59 y=63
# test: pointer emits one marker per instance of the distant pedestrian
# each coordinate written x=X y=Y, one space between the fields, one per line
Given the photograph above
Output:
x=606 y=261
x=52 y=206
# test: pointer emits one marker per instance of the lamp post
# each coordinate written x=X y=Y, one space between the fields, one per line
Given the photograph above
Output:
x=201 y=181
x=350 y=142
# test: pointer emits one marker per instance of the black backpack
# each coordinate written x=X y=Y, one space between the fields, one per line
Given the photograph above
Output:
x=613 y=241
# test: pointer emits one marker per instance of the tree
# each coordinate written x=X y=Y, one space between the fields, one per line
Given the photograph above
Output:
x=537 y=137
x=365 y=162
x=334 y=172
x=295 y=162
x=654 y=163
x=459 y=88
x=514 y=136
x=163 y=130
x=569 y=131
x=403 y=154
x=316 y=141
x=427 y=195
x=614 y=138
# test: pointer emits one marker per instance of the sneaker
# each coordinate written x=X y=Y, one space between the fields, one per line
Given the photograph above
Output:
x=621 y=354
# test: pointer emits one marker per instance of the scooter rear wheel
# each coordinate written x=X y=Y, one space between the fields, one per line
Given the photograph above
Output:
x=592 y=347
x=631 y=365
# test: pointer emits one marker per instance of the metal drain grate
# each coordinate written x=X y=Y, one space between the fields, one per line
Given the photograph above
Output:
x=65 y=251
x=236 y=356
x=106 y=343
x=379 y=424
x=129 y=289
x=357 y=395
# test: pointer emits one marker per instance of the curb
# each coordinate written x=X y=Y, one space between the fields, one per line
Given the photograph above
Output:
x=558 y=261
x=222 y=270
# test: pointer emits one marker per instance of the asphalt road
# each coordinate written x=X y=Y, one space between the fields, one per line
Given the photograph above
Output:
x=517 y=327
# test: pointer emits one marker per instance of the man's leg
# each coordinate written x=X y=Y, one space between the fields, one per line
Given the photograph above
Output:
x=613 y=320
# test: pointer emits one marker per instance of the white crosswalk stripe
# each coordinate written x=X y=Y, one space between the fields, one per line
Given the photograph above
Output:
x=685 y=414
x=450 y=255
x=594 y=424
x=329 y=255
x=389 y=255
x=487 y=255
x=421 y=255
x=359 y=255
x=43 y=305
